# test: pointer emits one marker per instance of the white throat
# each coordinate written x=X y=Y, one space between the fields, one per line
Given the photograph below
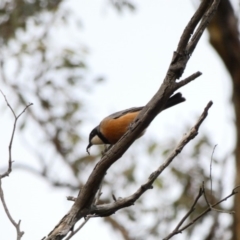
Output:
x=96 y=140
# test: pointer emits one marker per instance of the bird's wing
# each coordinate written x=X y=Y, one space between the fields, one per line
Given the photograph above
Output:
x=121 y=113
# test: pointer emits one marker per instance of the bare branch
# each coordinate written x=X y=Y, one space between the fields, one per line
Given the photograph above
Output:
x=210 y=206
x=16 y=225
x=82 y=206
x=16 y=117
x=188 y=79
x=108 y=209
x=205 y=11
x=189 y=29
x=178 y=230
x=210 y=174
x=9 y=170
x=191 y=210
x=121 y=228
x=86 y=218
x=207 y=17
x=78 y=229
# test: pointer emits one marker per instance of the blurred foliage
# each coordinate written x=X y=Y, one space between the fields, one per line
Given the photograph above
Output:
x=56 y=78
x=121 y=5
x=15 y=13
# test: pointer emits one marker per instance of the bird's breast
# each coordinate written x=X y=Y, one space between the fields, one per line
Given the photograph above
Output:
x=114 y=129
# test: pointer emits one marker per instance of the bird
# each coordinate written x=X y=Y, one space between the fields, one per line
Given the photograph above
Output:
x=114 y=126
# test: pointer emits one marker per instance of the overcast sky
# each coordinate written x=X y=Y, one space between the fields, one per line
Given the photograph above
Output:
x=132 y=52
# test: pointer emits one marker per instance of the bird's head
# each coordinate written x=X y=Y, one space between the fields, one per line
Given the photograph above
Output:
x=94 y=138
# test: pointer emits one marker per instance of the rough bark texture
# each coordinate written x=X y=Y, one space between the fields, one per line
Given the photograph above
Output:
x=187 y=44
x=224 y=37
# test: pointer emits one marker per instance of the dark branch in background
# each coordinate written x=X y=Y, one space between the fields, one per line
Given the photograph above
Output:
x=44 y=174
x=180 y=229
x=119 y=227
x=9 y=169
x=187 y=44
x=111 y=208
x=190 y=28
x=189 y=79
x=88 y=217
x=16 y=117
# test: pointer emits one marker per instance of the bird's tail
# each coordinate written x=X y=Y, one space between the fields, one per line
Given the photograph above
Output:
x=174 y=100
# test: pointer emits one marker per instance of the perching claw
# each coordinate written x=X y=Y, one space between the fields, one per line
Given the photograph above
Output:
x=87 y=151
x=89 y=145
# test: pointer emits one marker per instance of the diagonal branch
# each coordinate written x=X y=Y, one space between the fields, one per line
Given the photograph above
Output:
x=82 y=205
x=109 y=209
x=5 y=207
x=188 y=42
x=9 y=170
x=180 y=229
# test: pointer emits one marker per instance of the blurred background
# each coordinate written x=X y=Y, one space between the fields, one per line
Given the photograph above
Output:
x=79 y=61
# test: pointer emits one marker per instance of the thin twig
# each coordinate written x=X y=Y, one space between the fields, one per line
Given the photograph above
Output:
x=210 y=176
x=87 y=218
x=204 y=213
x=5 y=207
x=16 y=117
x=210 y=205
x=84 y=203
x=191 y=210
x=189 y=29
x=9 y=170
x=204 y=23
x=78 y=229
x=205 y=196
x=189 y=79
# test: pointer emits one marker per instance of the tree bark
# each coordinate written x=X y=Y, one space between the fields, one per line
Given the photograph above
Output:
x=224 y=37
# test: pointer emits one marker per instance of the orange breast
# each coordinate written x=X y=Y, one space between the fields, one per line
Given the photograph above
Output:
x=114 y=129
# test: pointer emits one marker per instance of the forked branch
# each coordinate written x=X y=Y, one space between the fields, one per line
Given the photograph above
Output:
x=9 y=169
x=189 y=39
x=180 y=228
x=111 y=208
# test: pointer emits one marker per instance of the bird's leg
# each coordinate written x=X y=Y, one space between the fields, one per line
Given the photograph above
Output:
x=106 y=149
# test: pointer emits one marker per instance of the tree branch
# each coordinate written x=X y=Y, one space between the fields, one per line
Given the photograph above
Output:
x=224 y=37
x=16 y=117
x=189 y=79
x=88 y=217
x=82 y=205
x=9 y=170
x=180 y=229
x=207 y=17
x=109 y=209
x=191 y=210
x=189 y=29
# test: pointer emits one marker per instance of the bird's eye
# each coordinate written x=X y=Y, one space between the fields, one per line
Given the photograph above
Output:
x=91 y=134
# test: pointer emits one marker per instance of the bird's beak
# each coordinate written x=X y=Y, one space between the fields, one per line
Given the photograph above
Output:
x=89 y=145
